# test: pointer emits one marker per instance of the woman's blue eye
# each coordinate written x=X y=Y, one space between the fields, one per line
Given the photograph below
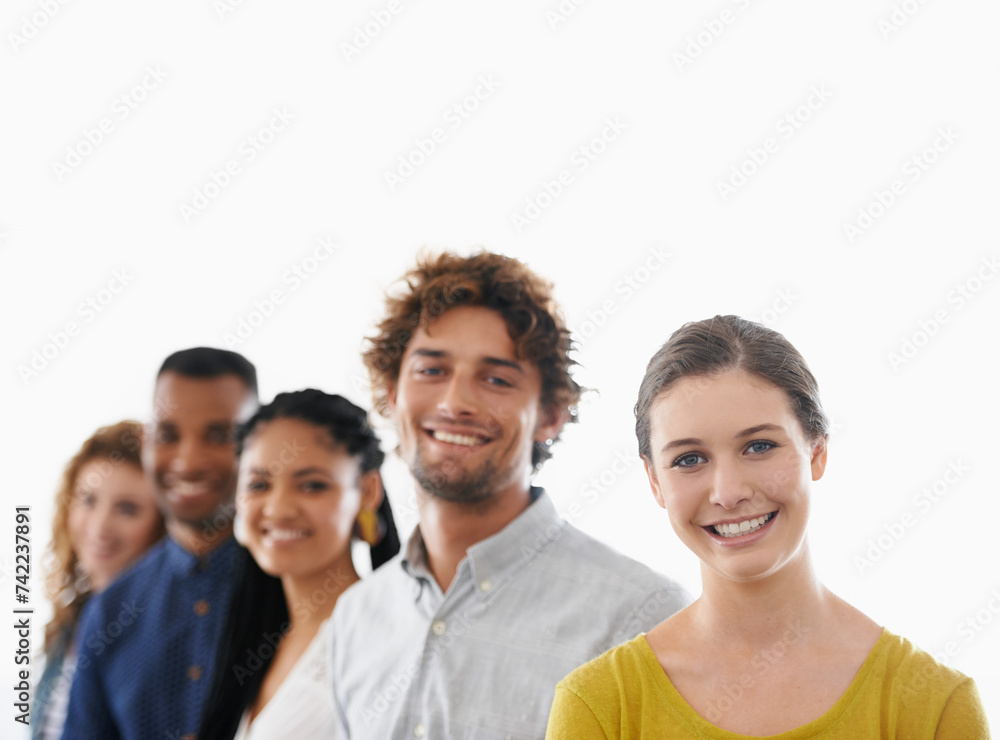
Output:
x=689 y=460
x=760 y=445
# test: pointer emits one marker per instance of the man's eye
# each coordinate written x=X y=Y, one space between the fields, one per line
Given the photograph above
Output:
x=256 y=486
x=429 y=371
x=494 y=380
x=220 y=436
x=164 y=437
x=689 y=460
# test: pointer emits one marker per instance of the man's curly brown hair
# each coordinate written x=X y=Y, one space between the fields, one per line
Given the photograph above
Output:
x=503 y=284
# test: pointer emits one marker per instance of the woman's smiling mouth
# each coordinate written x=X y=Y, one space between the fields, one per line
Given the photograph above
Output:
x=742 y=528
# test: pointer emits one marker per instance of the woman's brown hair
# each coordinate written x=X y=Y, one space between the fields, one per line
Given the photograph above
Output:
x=704 y=348
x=119 y=444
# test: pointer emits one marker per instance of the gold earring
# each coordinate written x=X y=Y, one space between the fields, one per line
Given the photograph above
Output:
x=368 y=528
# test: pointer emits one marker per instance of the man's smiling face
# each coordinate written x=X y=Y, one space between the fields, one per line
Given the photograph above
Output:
x=466 y=409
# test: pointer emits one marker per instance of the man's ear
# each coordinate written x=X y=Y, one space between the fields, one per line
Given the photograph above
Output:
x=551 y=420
x=654 y=484
x=371 y=490
x=818 y=462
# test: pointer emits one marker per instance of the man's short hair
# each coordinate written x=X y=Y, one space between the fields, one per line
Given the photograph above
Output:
x=209 y=362
x=493 y=281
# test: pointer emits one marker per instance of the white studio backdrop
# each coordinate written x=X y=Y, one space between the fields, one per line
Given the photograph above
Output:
x=255 y=175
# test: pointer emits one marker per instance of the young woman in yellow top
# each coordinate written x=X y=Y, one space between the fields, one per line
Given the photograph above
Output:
x=732 y=434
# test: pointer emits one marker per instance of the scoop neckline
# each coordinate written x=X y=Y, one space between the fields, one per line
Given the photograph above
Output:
x=825 y=721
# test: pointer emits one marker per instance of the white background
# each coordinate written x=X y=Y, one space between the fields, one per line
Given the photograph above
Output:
x=773 y=249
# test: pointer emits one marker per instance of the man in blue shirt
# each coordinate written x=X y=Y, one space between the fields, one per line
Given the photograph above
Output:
x=147 y=644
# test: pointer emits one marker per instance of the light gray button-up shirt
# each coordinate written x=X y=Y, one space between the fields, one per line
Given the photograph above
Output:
x=526 y=607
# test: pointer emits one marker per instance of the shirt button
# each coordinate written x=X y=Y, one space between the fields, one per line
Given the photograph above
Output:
x=419 y=730
x=194 y=672
x=485 y=586
x=438 y=628
x=201 y=607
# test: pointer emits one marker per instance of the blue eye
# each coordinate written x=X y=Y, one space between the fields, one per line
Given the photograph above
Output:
x=494 y=380
x=689 y=460
x=760 y=446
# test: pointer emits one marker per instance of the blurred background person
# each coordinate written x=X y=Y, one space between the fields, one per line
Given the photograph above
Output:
x=309 y=483
x=152 y=636
x=106 y=518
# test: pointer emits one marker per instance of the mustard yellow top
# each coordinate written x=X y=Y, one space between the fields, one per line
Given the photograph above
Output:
x=899 y=692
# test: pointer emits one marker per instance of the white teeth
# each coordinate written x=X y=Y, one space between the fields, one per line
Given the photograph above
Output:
x=744 y=527
x=457 y=439
x=286 y=535
x=191 y=489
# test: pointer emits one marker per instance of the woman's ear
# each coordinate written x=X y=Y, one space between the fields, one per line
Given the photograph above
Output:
x=818 y=462
x=654 y=484
x=371 y=490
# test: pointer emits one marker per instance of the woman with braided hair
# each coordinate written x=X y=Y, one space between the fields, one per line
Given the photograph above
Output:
x=309 y=483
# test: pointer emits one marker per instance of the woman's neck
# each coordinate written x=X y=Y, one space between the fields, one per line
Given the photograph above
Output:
x=311 y=598
x=766 y=610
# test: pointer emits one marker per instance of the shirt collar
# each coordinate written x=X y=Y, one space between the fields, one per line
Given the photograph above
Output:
x=497 y=558
x=221 y=557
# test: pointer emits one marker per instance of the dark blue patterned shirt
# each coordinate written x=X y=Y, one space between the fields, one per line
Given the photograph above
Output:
x=148 y=645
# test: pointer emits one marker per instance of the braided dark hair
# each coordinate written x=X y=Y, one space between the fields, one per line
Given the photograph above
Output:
x=259 y=607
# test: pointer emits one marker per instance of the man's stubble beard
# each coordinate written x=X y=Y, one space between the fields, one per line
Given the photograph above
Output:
x=475 y=488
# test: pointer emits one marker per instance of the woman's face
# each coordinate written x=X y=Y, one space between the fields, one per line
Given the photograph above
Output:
x=113 y=518
x=732 y=466
x=298 y=496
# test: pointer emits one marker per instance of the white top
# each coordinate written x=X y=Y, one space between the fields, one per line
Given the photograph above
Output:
x=302 y=707
x=55 y=715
